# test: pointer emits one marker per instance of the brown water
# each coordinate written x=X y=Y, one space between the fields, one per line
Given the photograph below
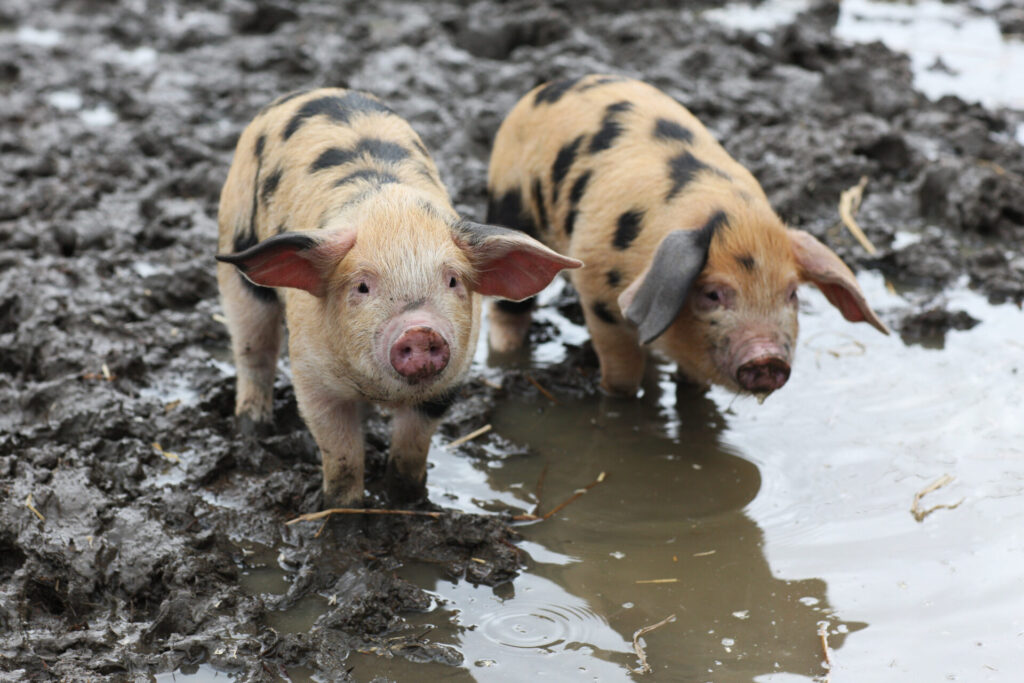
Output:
x=755 y=525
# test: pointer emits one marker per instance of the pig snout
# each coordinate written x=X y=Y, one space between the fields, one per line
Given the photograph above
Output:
x=763 y=375
x=419 y=353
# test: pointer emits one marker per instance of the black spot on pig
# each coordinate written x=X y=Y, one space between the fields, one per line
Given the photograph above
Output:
x=611 y=127
x=377 y=178
x=340 y=109
x=538 y=200
x=335 y=156
x=683 y=168
x=552 y=92
x=614 y=278
x=747 y=262
x=664 y=129
x=717 y=221
x=261 y=142
x=628 y=228
x=601 y=311
x=507 y=210
x=270 y=184
x=281 y=229
x=570 y=221
x=563 y=162
x=579 y=187
x=244 y=241
x=420 y=148
x=379 y=150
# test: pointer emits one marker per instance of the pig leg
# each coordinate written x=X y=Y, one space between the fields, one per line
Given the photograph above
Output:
x=411 y=430
x=254 y=322
x=621 y=358
x=509 y=322
x=336 y=425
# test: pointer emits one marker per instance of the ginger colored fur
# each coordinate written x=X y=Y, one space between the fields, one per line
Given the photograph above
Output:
x=622 y=165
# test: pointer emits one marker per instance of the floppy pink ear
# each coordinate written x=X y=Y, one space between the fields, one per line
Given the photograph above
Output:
x=296 y=260
x=509 y=264
x=820 y=265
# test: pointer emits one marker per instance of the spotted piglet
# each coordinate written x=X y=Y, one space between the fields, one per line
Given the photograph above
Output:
x=334 y=218
x=683 y=251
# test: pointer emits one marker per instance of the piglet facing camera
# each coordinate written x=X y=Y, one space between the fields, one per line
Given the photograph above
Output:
x=333 y=218
x=684 y=253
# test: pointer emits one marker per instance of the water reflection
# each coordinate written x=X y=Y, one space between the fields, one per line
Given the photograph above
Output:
x=665 y=533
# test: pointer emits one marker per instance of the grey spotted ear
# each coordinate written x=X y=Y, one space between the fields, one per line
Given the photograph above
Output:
x=654 y=299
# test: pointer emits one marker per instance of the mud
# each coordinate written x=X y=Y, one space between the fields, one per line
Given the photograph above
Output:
x=118 y=122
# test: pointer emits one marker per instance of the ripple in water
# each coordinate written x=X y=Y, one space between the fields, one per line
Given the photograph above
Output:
x=542 y=626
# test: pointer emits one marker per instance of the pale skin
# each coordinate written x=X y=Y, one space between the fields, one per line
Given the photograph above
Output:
x=335 y=215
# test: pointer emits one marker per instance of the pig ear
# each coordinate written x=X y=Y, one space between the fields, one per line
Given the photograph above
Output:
x=820 y=265
x=654 y=299
x=292 y=260
x=509 y=264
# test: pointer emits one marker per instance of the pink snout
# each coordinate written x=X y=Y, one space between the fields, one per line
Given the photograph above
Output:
x=419 y=354
x=763 y=375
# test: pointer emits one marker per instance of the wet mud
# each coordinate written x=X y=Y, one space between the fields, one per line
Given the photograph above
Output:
x=133 y=512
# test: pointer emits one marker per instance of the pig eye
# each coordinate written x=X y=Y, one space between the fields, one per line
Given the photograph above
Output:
x=712 y=295
x=363 y=288
x=453 y=282
x=793 y=296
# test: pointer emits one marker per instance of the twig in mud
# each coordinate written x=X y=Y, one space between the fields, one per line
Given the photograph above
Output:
x=106 y=373
x=645 y=668
x=547 y=394
x=915 y=508
x=705 y=553
x=656 y=581
x=573 y=497
x=823 y=634
x=173 y=457
x=849 y=203
x=30 y=506
x=530 y=517
x=311 y=516
x=469 y=437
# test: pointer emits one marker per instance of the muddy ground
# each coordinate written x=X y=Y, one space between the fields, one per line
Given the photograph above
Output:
x=118 y=123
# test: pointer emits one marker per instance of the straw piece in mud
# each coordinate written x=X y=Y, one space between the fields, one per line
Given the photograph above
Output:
x=532 y=517
x=849 y=203
x=823 y=634
x=173 y=457
x=30 y=506
x=310 y=516
x=645 y=668
x=547 y=394
x=915 y=507
x=469 y=437
x=656 y=581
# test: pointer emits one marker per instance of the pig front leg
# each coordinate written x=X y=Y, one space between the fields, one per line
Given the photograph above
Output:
x=509 y=323
x=254 y=317
x=336 y=425
x=411 y=431
x=620 y=356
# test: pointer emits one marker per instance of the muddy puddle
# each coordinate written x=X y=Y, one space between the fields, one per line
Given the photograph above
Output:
x=756 y=526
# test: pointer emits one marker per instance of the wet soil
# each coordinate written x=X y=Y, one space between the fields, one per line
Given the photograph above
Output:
x=118 y=122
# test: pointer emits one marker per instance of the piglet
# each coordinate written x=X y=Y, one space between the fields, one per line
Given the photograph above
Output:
x=334 y=219
x=684 y=253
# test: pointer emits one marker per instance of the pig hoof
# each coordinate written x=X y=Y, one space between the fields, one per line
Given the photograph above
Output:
x=405 y=491
x=619 y=390
x=419 y=354
x=762 y=376
x=339 y=500
x=251 y=427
